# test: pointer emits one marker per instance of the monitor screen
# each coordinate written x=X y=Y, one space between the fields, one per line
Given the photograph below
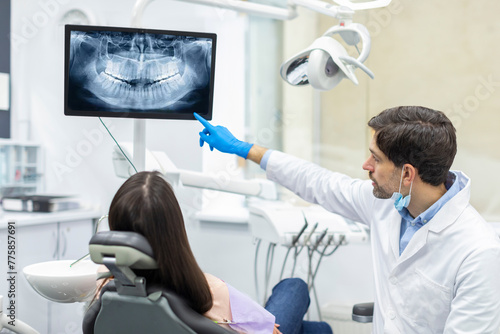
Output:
x=138 y=73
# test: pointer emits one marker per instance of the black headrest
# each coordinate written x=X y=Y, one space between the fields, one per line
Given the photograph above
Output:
x=123 y=238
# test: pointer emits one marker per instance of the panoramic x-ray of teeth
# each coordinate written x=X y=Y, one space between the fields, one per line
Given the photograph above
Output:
x=122 y=71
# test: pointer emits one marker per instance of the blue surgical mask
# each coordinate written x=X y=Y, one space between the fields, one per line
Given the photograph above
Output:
x=401 y=202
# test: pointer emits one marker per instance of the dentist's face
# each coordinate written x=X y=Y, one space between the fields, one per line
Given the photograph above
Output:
x=383 y=173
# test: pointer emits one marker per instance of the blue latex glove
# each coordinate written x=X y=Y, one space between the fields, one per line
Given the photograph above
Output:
x=222 y=139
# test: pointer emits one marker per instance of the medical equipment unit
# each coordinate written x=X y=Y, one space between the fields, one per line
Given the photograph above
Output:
x=281 y=223
x=308 y=233
x=127 y=299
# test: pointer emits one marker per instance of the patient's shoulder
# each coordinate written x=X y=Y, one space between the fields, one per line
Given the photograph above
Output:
x=221 y=310
x=214 y=282
x=211 y=278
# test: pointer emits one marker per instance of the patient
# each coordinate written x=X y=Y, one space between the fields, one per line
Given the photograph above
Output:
x=146 y=204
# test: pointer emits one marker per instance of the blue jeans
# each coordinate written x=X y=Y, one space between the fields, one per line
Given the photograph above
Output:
x=288 y=303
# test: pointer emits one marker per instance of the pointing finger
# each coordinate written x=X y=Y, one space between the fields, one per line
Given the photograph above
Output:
x=203 y=121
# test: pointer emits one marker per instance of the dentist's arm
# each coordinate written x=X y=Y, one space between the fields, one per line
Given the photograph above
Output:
x=256 y=153
x=223 y=140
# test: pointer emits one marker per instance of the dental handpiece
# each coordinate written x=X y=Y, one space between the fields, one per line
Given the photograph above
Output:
x=306 y=240
x=330 y=239
x=296 y=238
x=321 y=237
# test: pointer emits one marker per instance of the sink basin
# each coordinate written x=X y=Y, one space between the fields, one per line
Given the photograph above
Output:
x=57 y=281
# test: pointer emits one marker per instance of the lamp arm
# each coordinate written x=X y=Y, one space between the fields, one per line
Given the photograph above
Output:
x=138 y=12
x=351 y=34
x=356 y=63
x=326 y=8
x=261 y=188
x=345 y=10
x=274 y=12
x=363 y=5
x=252 y=8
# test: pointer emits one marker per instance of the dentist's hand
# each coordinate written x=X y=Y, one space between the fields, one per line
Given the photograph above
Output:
x=222 y=139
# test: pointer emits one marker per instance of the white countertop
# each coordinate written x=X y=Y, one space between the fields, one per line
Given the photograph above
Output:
x=36 y=218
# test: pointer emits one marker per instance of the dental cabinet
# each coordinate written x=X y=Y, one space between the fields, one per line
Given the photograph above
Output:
x=40 y=238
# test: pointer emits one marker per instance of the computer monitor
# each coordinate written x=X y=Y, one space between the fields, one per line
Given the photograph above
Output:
x=138 y=73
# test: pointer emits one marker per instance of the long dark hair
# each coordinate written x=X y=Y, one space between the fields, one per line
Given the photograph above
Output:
x=146 y=204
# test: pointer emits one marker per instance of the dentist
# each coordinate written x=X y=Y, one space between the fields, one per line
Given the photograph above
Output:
x=436 y=260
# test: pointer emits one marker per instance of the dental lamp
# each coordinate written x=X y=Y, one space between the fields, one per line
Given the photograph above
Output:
x=326 y=62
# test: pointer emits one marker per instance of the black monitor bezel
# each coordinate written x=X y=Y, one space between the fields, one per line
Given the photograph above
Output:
x=134 y=114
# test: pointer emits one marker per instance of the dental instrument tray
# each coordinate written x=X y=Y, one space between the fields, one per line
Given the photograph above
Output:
x=40 y=203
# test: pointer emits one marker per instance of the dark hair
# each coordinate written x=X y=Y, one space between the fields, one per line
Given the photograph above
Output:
x=146 y=204
x=422 y=137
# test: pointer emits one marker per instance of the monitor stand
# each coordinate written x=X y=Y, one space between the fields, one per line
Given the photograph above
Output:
x=140 y=144
x=139 y=124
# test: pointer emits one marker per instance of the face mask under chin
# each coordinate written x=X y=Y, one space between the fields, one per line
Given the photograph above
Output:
x=401 y=201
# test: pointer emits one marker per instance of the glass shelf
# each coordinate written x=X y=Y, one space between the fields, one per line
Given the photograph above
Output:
x=20 y=168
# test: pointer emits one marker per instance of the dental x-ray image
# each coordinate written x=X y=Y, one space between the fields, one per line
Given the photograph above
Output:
x=123 y=72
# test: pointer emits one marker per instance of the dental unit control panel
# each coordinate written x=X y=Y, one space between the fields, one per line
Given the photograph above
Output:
x=288 y=225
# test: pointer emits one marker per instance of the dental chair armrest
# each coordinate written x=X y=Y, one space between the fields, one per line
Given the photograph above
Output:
x=363 y=312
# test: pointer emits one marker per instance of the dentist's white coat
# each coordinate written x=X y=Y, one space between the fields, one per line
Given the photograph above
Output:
x=447 y=280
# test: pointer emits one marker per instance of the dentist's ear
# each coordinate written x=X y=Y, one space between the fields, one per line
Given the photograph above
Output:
x=409 y=174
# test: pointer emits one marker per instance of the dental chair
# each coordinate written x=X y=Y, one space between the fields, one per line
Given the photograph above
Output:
x=127 y=304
